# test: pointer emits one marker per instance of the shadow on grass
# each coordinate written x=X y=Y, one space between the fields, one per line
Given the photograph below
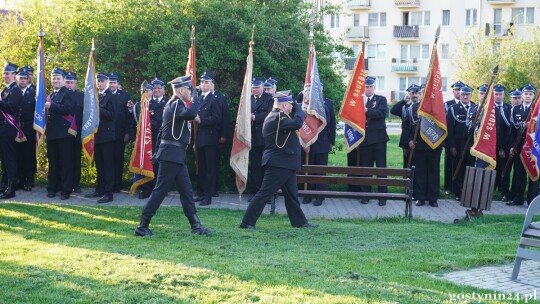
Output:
x=368 y=259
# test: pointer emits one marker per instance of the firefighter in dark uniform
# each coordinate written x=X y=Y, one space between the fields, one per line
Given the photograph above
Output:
x=319 y=150
x=281 y=159
x=270 y=86
x=261 y=105
x=10 y=102
x=208 y=124
x=71 y=83
x=427 y=161
x=104 y=143
x=518 y=130
x=122 y=124
x=26 y=151
x=401 y=109
x=174 y=138
x=459 y=119
x=447 y=157
x=502 y=116
x=60 y=109
x=30 y=71
x=224 y=131
x=155 y=107
x=372 y=151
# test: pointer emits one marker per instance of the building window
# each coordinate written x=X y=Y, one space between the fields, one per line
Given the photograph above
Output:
x=468 y=48
x=405 y=82
x=446 y=18
x=414 y=51
x=470 y=17
x=444 y=84
x=444 y=51
x=377 y=19
x=356 y=49
x=523 y=15
x=376 y=51
x=356 y=20
x=334 y=21
x=497 y=21
x=379 y=83
x=421 y=18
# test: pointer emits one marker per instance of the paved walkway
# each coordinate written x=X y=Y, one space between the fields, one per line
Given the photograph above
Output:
x=447 y=211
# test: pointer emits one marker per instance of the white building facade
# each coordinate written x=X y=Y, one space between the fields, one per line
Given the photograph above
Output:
x=399 y=34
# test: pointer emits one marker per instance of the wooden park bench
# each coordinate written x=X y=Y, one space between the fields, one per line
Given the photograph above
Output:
x=357 y=176
x=529 y=243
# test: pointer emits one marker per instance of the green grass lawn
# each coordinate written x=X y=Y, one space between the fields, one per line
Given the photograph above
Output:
x=87 y=254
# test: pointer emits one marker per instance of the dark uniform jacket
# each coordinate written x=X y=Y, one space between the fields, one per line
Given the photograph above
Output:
x=28 y=108
x=10 y=104
x=409 y=127
x=401 y=109
x=376 y=109
x=327 y=137
x=210 y=113
x=122 y=116
x=282 y=146
x=173 y=141
x=63 y=103
x=106 y=133
x=79 y=111
x=449 y=103
x=502 y=118
x=260 y=109
x=518 y=117
x=459 y=122
x=225 y=127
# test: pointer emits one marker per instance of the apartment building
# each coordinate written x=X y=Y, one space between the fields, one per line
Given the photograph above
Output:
x=399 y=34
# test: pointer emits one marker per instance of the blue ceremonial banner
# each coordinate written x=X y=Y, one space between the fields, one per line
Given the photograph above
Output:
x=39 y=113
x=91 y=110
x=352 y=137
x=535 y=150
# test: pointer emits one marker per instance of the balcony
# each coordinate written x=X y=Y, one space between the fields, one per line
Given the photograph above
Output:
x=350 y=62
x=406 y=32
x=407 y=3
x=404 y=66
x=358 y=33
x=358 y=4
x=495 y=2
x=499 y=31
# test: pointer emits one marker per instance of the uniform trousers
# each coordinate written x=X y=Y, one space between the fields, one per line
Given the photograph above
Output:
x=26 y=154
x=374 y=154
x=274 y=179
x=427 y=174
x=77 y=150
x=104 y=158
x=502 y=183
x=59 y=154
x=119 y=151
x=256 y=171
x=168 y=174
x=8 y=146
x=448 y=165
x=206 y=178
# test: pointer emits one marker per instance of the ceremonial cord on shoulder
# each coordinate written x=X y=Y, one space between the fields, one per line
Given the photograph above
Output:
x=277 y=132
x=183 y=124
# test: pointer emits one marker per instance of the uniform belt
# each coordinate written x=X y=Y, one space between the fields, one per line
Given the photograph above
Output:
x=172 y=142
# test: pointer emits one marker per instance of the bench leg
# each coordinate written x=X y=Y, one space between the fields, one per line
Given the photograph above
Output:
x=408 y=209
x=517 y=265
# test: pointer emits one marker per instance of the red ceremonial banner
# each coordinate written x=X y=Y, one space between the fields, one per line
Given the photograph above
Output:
x=485 y=139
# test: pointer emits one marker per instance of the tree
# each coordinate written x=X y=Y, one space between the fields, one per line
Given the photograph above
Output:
x=517 y=58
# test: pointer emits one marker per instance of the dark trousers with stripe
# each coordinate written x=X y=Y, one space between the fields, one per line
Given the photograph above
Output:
x=59 y=154
x=104 y=158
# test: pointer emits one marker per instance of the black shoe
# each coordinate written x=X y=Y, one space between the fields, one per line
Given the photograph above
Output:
x=144 y=194
x=364 y=201
x=117 y=190
x=318 y=202
x=199 y=198
x=515 y=203
x=205 y=202
x=447 y=192
x=458 y=198
x=143 y=231
x=8 y=193
x=64 y=196
x=504 y=198
x=306 y=200
x=77 y=190
x=93 y=194
x=246 y=226
x=105 y=199
x=308 y=225
x=201 y=230
x=434 y=204
x=420 y=203
x=51 y=194
x=382 y=203
x=215 y=195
